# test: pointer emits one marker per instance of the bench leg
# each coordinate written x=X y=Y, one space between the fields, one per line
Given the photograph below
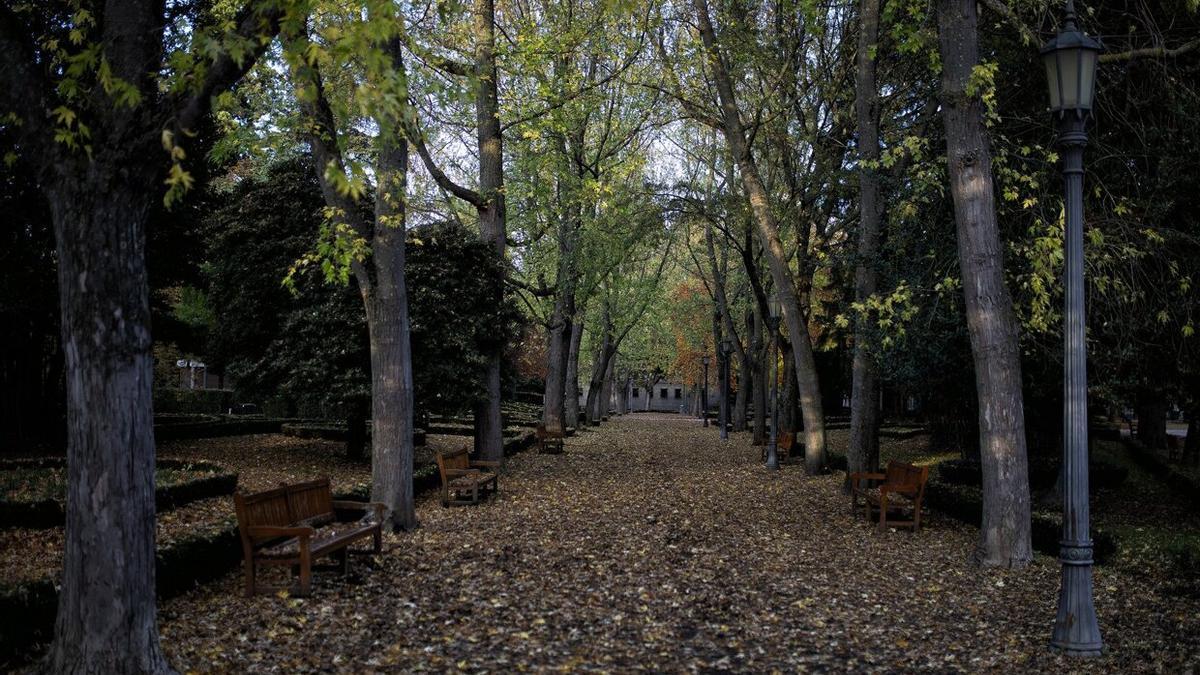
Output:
x=345 y=561
x=249 y=566
x=377 y=537
x=305 y=573
x=883 y=508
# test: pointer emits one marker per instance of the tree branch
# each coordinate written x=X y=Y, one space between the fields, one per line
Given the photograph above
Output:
x=418 y=140
x=257 y=22
x=1150 y=53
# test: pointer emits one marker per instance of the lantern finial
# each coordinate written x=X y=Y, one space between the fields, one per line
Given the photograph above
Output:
x=1070 y=21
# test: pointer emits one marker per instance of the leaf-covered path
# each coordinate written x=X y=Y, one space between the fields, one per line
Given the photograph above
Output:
x=650 y=545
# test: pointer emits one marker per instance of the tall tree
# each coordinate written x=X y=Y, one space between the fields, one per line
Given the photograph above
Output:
x=488 y=200
x=730 y=123
x=374 y=247
x=863 y=451
x=992 y=325
x=97 y=93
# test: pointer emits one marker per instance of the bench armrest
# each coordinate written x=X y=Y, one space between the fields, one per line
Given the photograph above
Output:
x=274 y=531
x=377 y=507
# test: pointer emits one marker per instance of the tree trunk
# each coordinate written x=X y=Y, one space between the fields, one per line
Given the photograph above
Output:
x=571 y=391
x=862 y=454
x=488 y=424
x=1005 y=531
x=1152 y=419
x=1191 y=446
x=807 y=380
x=391 y=348
x=606 y=389
x=356 y=429
x=106 y=619
x=760 y=382
x=558 y=343
x=789 y=403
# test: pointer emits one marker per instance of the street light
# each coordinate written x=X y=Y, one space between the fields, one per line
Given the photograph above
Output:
x=704 y=392
x=1070 y=60
x=773 y=326
x=726 y=350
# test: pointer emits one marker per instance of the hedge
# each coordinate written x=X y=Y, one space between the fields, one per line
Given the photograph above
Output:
x=212 y=401
x=333 y=431
x=1184 y=485
x=48 y=513
x=224 y=425
x=965 y=504
x=1043 y=473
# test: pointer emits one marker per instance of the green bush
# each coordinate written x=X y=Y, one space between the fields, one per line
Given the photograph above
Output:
x=192 y=401
x=33 y=492
x=1184 y=554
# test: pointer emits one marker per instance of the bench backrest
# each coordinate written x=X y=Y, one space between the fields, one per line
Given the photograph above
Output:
x=903 y=474
x=787 y=441
x=453 y=460
x=310 y=502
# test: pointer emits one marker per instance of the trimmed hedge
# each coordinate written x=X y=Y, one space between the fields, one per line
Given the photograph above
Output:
x=333 y=431
x=219 y=426
x=1043 y=472
x=1187 y=487
x=965 y=504
x=47 y=513
x=211 y=401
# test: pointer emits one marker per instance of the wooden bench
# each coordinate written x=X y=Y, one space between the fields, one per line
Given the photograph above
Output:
x=293 y=524
x=901 y=489
x=548 y=442
x=783 y=446
x=465 y=481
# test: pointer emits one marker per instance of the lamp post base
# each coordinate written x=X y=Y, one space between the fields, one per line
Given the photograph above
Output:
x=772 y=456
x=1076 y=630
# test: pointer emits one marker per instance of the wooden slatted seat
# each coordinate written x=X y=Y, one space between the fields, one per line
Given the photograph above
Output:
x=899 y=493
x=293 y=524
x=548 y=442
x=465 y=481
x=783 y=446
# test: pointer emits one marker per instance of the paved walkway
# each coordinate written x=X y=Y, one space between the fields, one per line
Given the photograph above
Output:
x=650 y=545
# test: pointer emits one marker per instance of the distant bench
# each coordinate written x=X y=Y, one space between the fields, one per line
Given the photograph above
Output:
x=548 y=442
x=465 y=481
x=901 y=480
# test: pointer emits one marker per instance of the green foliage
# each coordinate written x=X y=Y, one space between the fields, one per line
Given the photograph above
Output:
x=308 y=341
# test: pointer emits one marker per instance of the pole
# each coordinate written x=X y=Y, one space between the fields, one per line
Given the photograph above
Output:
x=724 y=396
x=772 y=447
x=1076 y=630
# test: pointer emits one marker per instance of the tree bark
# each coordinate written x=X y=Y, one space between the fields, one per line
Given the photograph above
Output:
x=807 y=380
x=380 y=279
x=489 y=427
x=571 y=392
x=1005 y=531
x=759 y=350
x=1152 y=418
x=863 y=451
x=106 y=618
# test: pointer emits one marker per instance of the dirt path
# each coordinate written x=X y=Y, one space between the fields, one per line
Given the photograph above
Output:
x=650 y=545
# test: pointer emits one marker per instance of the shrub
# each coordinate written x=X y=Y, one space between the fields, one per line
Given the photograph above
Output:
x=33 y=492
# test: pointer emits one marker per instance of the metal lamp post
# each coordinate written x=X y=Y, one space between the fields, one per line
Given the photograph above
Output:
x=1070 y=60
x=772 y=443
x=704 y=392
x=726 y=350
